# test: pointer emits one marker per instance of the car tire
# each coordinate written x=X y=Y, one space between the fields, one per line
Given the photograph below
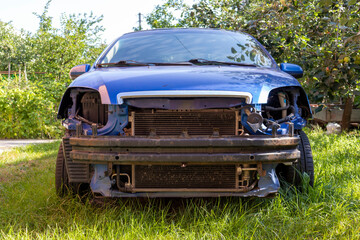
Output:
x=61 y=177
x=294 y=174
x=62 y=184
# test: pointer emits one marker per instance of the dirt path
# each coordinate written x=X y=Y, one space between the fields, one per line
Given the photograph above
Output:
x=7 y=144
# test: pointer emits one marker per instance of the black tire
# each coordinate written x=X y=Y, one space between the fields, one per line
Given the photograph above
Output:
x=61 y=177
x=62 y=184
x=293 y=174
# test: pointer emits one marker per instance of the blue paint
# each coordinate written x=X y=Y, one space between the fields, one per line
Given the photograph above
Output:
x=257 y=81
x=292 y=69
x=117 y=120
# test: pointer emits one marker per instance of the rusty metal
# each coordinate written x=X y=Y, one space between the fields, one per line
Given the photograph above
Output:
x=78 y=129
x=251 y=141
x=241 y=169
x=260 y=170
x=254 y=121
x=81 y=119
x=94 y=129
x=110 y=168
x=190 y=176
x=190 y=194
x=274 y=129
x=152 y=132
x=237 y=122
x=127 y=186
x=245 y=176
x=268 y=157
x=291 y=128
x=131 y=118
x=171 y=122
x=92 y=111
x=184 y=133
x=180 y=163
x=216 y=132
x=188 y=190
x=129 y=150
x=77 y=172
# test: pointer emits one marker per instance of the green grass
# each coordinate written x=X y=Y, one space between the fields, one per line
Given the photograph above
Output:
x=30 y=209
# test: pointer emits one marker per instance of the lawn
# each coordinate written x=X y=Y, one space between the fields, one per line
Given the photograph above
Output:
x=29 y=207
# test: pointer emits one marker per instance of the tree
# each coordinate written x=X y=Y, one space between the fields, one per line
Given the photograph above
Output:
x=76 y=41
x=29 y=108
x=320 y=35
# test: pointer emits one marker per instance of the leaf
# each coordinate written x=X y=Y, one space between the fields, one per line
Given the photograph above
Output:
x=233 y=51
x=343 y=21
x=352 y=2
x=326 y=3
x=354 y=38
x=352 y=21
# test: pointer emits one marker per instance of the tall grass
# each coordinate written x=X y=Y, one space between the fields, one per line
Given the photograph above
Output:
x=30 y=209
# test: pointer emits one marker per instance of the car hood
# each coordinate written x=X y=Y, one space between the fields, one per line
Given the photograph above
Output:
x=256 y=81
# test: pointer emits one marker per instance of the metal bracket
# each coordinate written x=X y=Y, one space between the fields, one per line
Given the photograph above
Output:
x=291 y=128
x=94 y=129
x=274 y=129
x=79 y=129
x=260 y=170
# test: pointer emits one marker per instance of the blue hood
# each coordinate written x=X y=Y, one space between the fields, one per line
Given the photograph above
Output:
x=257 y=81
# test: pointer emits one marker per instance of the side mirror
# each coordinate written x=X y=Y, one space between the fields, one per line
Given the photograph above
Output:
x=292 y=69
x=78 y=70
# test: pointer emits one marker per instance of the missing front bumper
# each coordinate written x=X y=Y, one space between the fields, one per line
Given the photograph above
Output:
x=175 y=157
x=196 y=150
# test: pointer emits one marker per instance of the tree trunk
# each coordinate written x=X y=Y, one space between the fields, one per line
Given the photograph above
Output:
x=25 y=73
x=9 y=71
x=19 y=72
x=346 y=117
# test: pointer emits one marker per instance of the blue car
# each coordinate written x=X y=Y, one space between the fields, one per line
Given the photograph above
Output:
x=184 y=113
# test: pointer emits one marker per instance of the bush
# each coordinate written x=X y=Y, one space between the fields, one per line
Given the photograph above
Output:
x=27 y=112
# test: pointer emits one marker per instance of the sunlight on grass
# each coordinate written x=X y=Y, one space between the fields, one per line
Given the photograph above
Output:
x=331 y=210
x=17 y=162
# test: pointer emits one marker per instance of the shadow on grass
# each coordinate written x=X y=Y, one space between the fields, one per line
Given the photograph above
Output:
x=30 y=207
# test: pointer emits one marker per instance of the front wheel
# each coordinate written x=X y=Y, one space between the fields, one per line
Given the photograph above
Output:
x=62 y=184
x=294 y=174
x=61 y=177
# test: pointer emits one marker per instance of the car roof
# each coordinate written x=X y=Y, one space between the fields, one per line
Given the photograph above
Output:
x=154 y=31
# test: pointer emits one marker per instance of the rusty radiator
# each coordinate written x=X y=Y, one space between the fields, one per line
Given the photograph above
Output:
x=192 y=176
x=176 y=122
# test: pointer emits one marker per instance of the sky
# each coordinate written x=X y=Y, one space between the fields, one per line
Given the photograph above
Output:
x=120 y=16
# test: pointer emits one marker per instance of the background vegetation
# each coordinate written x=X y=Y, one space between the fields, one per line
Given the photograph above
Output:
x=323 y=36
x=42 y=60
x=331 y=210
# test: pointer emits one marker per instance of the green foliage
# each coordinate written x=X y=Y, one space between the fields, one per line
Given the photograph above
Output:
x=331 y=210
x=77 y=41
x=27 y=112
x=28 y=104
x=320 y=35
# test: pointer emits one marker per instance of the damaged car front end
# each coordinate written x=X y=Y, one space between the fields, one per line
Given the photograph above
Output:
x=206 y=113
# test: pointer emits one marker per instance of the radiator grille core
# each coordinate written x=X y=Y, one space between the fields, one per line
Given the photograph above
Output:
x=200 y=176
x=194 y=122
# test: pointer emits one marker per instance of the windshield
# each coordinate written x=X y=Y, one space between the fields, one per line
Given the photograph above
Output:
x=182 y=46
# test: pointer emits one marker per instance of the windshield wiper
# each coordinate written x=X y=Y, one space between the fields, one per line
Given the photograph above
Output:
x=124 y=63
x=169 y=63
x=202 y=61
x=127 y=63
